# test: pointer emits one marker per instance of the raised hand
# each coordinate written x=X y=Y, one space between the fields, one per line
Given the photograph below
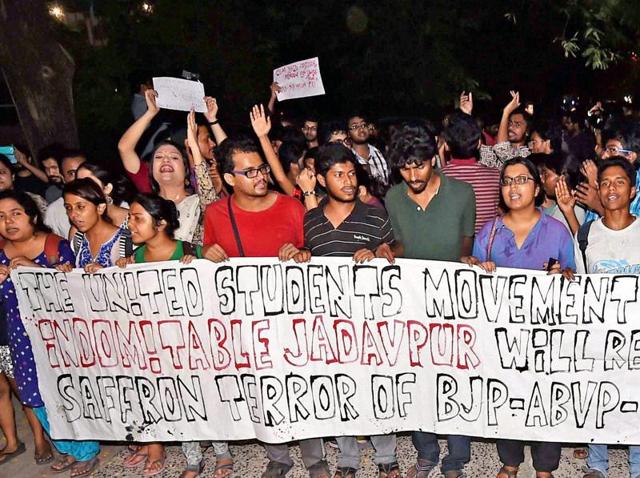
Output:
x=150 y=97
x=590 y=171
x=212 y=109
x=192 y=131
x=514 y=103
x=466 y=102
x=306 y=180
x=275 y=89
x=564 y=196
x=260 y=122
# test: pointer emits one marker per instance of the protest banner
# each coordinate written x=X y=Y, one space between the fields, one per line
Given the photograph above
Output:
x=179 y=94
x=283 y=351
x=299 y=79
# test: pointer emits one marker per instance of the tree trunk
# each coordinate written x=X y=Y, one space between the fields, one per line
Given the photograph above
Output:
x=39 y=73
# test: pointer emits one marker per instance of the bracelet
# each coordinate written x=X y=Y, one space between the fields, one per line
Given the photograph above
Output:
x=213 y=122
x=308 y=193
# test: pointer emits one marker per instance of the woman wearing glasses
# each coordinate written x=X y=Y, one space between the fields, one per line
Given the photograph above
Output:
x=523 y=238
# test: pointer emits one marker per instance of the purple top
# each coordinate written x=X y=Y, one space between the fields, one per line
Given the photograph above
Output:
x=21 y=354
x=548 y=238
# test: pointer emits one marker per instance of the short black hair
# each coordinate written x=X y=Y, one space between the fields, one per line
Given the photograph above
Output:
x=230 y=146
x=622 y=162
x=87 y=189
x=310 y=117
x=160 y=209
x=290 y=153
x=628 y=134
x=462 y=135
x=72 y=153
x=533 y=171
x=30 y=207
x=562 y=164
x=293 y=135
x=526 y=116
x=121 y=187
x=327 y=128
x=4 y=160
x=549 y=130
x=358 y=114
x=54 y=151
x=330 y=154
x=410 y=143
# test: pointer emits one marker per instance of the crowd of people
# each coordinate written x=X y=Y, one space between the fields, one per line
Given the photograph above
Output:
x=555 y=194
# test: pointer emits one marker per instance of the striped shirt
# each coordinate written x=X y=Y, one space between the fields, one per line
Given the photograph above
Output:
x=366 y=227
x=375 y=164
x=485 y=182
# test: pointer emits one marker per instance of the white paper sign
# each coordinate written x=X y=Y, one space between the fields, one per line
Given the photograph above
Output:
x=179 y=94
x=299 y=79
x=256 y=348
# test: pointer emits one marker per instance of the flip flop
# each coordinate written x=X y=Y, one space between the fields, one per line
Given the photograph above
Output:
x=7 y=457
x=161 y=461
x=90 y=464
x=137 y=459
x=44 y=458
x=62 y=460
x=223 y=470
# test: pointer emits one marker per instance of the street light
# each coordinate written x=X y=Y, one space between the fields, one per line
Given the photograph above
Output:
x=56 y=11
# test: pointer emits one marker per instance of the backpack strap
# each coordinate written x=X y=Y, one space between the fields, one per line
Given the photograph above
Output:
x=125 y=243
x=51 y=249
x=188 y=249
x=492 y=236
x=583 y=241
x=78 y=237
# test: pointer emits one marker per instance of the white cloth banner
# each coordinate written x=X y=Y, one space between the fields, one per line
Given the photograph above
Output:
x=299 y=79
x=281 y=351
x=179 y=94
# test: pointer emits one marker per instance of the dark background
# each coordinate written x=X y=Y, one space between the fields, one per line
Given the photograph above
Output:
x=385 y=58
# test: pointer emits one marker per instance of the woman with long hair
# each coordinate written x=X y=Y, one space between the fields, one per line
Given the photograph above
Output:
x=523 y=238
x=153 y=222
x=28 y=242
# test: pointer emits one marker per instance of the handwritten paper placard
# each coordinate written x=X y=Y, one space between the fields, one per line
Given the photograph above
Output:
x=299 y=79
x=179 y=94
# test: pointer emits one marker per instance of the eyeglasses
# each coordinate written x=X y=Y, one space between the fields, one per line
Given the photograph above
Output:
x=616 y=150
x=354 y=127
x=519 y=180
x=253 y=172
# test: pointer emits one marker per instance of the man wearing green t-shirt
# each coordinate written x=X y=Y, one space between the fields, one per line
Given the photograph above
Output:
x=433 y=217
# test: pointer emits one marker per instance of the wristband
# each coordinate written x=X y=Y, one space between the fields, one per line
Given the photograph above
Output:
x=308 y=193
x=213 y=122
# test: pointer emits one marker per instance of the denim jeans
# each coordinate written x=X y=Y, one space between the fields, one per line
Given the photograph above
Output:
x=599 y=459
x=429 y=450
x=546 y=455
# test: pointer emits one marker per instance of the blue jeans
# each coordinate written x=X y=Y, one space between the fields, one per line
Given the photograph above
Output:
x=83 y=450
x=429 y=450
x=599 y=459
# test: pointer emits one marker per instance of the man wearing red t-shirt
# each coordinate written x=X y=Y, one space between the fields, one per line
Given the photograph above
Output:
x=256 y=222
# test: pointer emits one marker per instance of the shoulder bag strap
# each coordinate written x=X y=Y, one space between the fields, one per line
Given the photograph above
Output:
x=236 y=232
x=492 y=236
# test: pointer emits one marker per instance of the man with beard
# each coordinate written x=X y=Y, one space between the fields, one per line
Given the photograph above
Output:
x=513 y=133
x=344 y=226
x=367 y=154
x=50 y=159
x=310 y=131
x=256 y=222
x=433 y=218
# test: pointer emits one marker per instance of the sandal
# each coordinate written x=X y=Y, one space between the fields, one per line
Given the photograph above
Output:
x=421 y=469
x=276 y=470
x=223 y=470
x=345 y=472
x=6 y=457
x=197 y=469
x=62 y=463
x=454 y=474
x=44 y=458
x=319 y=470
x=507 y=473
x=151 y=468
x=135 y=459
x=591 y=473
x=389 y=470
x=581 y=453
x=84 y=468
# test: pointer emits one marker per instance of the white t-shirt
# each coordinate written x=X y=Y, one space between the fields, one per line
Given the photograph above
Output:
x=56 y=218
x=189 y=209
x=609 y=251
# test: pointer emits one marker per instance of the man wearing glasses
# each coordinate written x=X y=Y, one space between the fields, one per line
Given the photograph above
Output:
x=310 y=131
x=367 y=154
x=257 y=222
